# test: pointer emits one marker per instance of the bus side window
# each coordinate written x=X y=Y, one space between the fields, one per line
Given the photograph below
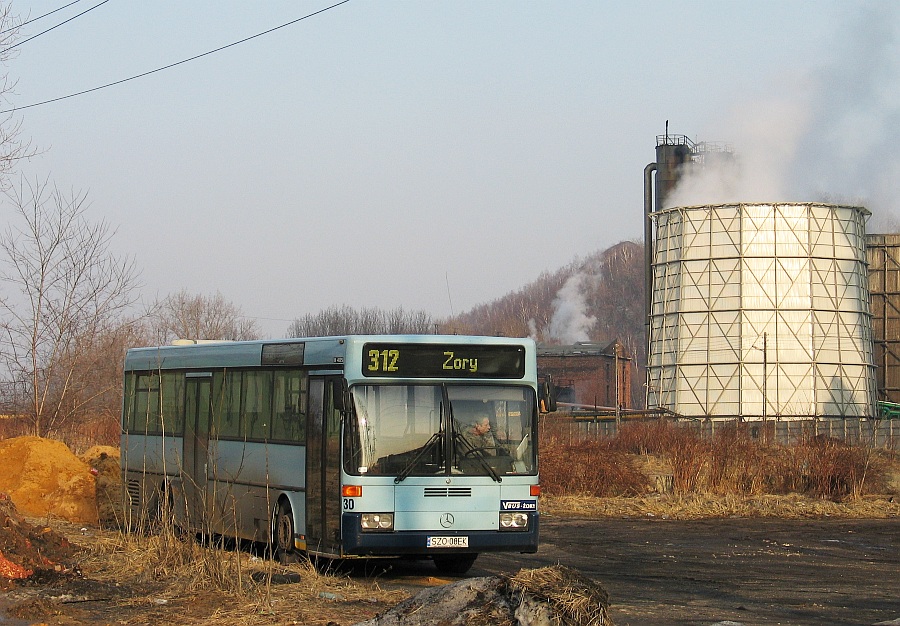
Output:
x=146 y=404
x=172 y=403
x=257 y=397
x=227 y=404
x=128 y=405
x=289 y=418
x=230 y=414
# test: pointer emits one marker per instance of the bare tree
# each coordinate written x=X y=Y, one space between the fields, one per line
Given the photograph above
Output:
x=187 y=316
x=63 y=290
x=522 y=313
x=95 y=395
x=12 y=147
x=345 y=320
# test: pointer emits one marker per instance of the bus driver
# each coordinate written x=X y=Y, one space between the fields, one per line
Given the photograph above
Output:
x=481 y=435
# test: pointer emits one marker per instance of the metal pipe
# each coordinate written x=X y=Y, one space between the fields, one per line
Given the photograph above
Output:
x=648 y=266
x=648 y=244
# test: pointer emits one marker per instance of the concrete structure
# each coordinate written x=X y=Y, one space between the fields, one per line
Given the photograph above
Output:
x=761 y=311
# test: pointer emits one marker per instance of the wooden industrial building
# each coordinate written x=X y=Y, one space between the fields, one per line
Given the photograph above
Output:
x=883 y=255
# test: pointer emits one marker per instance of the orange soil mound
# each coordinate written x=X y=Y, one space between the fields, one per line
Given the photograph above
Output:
x=104 y=463
x=99 y=453
x=44 y=478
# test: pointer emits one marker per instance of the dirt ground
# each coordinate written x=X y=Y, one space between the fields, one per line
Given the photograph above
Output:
x=672 y=572
x=660 y=557
x=736 y=570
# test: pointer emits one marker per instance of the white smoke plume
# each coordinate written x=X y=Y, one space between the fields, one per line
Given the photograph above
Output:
x=829 y=134
x=570 y=322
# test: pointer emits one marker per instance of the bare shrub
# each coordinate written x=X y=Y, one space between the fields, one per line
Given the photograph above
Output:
x=100 y=429
x=831 y=468
x=740 y=464
x=645 y=437
x=738 y=460
x=588 y=467
x=14 y=426
x=688 y=454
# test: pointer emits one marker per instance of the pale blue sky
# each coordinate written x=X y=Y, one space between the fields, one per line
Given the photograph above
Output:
x=377 y=153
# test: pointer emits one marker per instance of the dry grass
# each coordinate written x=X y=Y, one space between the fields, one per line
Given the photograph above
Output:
x=697 y=506
x=573 y=597
x=214 y=584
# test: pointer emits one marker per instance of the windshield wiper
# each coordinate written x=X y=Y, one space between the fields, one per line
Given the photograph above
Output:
x=478 y=453
x=408 y=468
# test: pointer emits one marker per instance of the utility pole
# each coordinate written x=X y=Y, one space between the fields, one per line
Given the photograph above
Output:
x=618 y=411
x=765 y=351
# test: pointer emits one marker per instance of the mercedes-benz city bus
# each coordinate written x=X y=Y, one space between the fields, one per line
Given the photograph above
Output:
x=342 y=447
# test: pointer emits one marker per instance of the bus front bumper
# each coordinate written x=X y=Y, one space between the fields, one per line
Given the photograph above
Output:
x=415 y=542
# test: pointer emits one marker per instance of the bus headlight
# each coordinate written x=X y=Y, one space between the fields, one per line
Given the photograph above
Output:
x=377 y=521
x=513 y=521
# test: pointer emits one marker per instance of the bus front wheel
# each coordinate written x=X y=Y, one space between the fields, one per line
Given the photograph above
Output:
x=284 y=533
x=458 y=564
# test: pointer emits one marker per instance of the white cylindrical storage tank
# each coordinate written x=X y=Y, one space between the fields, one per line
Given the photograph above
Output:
x=761 y=311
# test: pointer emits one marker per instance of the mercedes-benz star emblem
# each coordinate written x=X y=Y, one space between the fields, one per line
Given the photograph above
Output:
x=447 y=520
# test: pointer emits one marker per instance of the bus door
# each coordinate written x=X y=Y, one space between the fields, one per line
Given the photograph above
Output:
x=323 y=467
x=196 y=445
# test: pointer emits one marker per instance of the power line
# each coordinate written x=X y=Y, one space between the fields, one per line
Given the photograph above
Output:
x=171 y=65
x=39 y=17
x=2 y=52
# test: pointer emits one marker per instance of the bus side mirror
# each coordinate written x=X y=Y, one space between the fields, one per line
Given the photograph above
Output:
x=546 y=397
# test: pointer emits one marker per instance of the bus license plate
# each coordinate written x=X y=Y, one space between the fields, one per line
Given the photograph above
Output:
x=447 y=542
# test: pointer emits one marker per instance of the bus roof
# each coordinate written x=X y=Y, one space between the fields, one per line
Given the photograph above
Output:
x=313 y=351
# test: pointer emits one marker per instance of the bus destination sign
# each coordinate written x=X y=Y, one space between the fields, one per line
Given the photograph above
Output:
x=418 y=360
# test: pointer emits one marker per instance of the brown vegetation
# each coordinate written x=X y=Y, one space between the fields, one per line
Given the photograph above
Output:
x=732 y=463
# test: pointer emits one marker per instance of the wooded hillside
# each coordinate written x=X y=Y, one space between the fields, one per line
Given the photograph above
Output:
x=599 y=298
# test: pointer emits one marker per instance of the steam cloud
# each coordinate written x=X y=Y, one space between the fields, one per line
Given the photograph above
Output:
x=570 y=323
x=827 y=135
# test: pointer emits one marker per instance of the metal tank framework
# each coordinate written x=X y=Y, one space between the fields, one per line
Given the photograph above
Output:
x=761 y=311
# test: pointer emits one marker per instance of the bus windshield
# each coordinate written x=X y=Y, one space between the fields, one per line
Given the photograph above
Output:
x=428 y=429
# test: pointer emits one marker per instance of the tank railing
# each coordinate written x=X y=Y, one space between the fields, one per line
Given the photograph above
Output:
x=675 y=140
x=713 y=146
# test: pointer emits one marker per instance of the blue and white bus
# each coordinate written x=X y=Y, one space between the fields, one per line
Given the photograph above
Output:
x=342 y=447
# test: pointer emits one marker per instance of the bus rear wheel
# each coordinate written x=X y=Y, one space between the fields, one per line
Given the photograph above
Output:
x=283 y=531
x=458 y=564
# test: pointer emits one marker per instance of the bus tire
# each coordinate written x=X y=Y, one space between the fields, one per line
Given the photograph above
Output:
x=457 y=564
x=283 y=531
